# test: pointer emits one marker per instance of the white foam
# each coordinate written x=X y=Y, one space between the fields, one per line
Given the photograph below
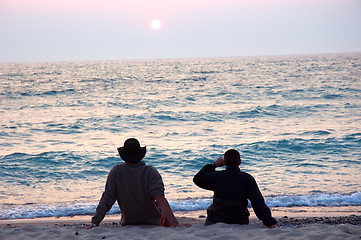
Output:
x=330 y=200
x=58 y=210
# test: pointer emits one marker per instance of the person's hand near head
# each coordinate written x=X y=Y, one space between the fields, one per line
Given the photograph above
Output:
x=219 y=162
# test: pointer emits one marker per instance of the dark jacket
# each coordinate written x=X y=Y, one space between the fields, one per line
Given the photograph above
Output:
x=232 y=189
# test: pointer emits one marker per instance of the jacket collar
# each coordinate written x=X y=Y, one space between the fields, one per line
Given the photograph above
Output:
x=135 y=164
x=232 y=168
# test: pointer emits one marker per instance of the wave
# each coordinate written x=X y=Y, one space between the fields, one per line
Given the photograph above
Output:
x=38 y=93
x=48 y=93
x=319 y=141
x=65 y=210
x=52 y=166
x=63 y=165
x=327 y=200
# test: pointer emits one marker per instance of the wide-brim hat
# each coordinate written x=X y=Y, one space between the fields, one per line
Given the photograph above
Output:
x=132 y=152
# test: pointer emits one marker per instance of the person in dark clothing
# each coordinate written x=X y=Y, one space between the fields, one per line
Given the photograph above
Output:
x=139 y=190
x=232 y=189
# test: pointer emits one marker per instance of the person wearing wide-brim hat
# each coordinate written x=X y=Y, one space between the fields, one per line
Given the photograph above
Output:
x=132 y=152
x=139 y=190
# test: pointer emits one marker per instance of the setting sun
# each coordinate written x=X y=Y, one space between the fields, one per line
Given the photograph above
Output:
x=155 y=24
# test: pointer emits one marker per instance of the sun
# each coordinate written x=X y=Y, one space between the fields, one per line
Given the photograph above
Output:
x=155 y=24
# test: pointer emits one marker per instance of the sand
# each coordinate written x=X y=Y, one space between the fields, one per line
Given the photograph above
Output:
x=336 y=227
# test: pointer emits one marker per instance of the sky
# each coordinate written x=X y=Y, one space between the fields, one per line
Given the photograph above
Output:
x=96 y=30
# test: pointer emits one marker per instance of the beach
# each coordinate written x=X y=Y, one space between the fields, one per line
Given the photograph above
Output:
x=336 y=227
x=239 y=107
x=294 y=119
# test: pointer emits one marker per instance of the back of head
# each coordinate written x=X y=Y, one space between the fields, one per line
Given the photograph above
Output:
x=232 y=157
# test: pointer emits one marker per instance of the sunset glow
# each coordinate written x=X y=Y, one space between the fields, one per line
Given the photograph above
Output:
x=155 y=24
x=204 y=28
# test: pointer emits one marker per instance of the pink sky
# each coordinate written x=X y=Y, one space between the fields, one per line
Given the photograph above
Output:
x=42 y=30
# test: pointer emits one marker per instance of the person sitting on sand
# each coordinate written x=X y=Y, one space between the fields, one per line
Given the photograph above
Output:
x=139 y=190
x=232 y=188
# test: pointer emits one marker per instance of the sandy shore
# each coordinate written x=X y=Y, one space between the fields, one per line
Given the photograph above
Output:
x=335 y=227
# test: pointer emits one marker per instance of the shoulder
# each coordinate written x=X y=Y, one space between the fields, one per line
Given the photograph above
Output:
x=151 y=169
x=116 y=168
x=247 y=176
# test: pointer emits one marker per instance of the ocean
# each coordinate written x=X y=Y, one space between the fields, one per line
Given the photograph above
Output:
x=296 y=121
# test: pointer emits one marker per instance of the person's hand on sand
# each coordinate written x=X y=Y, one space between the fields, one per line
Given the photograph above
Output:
x=87 y=226
x=219 y=162
x=273 y=226
x=185 y=225
x=178 y=225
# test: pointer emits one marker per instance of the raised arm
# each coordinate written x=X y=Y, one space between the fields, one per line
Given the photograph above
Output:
x=203 y=178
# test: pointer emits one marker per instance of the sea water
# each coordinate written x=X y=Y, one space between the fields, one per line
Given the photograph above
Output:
x=296 y=121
